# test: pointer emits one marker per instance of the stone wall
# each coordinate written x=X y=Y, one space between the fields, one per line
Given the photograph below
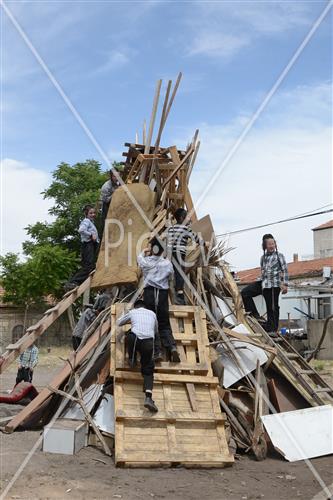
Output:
x=12 y=327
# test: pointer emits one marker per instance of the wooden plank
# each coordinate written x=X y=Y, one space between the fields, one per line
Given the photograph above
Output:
x=42 y=325
x=75 y=360
x=167 y=377
x=192 y=396
x=130 y=414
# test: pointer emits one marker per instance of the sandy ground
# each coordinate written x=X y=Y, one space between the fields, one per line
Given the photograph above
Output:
x=92 y=475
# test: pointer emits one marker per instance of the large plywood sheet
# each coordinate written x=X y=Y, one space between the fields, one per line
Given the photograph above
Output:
x=177 y=434
x=116 y=264
x=301 y=434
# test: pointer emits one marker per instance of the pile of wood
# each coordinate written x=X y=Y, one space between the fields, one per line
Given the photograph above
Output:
x=232 y=374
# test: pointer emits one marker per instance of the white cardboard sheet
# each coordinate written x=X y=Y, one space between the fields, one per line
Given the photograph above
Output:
x=301 y=434
x=248 y=356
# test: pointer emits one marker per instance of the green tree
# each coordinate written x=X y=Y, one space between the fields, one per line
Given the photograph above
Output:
x=42 y=274
x=52 y=252
x=72 y=188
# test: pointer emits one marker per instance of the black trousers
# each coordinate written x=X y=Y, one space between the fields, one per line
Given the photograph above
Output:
x=76 y=341
x=250 y=291
x=271 y=296
x=146 y=349
x=179 y=280
x=88 y=259
x=157 y=300
x=24 y=375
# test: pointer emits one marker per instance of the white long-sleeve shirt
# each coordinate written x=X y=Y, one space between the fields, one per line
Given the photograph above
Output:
x=107 y=191
x=156 y=270
x=143 y=322
x=87 y=229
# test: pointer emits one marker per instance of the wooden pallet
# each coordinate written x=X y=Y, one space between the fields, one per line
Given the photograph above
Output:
x=188 y=429
x=189 y=329
x=177 y=434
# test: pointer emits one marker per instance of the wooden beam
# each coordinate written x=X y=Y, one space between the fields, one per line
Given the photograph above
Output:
x=186 y=157
x=74 y=360
x=35 y=331
x=151 y=126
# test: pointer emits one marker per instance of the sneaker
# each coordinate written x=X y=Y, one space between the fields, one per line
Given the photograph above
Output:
x=158 y=357
x=273 y=335
x=150 y=405
x=180 y=299
x=174 y=355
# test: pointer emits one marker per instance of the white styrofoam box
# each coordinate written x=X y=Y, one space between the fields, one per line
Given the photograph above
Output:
x=301 y=434
x=65 y=436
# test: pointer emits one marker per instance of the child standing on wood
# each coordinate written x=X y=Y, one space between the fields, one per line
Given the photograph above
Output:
x=27 y=362
x=157 y=271
x=273 y=280
x=141 y=339
x=178 y=236
x=89 y=247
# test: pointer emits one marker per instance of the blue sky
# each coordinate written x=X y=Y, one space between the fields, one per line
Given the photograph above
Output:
x=107 y=57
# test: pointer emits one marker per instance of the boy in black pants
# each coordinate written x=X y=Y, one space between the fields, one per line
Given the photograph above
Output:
x=156 y=273
x=141 y=339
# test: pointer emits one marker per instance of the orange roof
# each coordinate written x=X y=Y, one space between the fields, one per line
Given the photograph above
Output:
x=324 y=226
x=295 y=269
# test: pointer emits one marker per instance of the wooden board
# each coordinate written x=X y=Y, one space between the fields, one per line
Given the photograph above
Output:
x=116 y=263
x=189 y=329
x=176 y=434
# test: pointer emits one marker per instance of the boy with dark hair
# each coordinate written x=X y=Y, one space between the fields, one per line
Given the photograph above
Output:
x=141 y=339
x=107 y=191
x=178 y=237
x=88 y=316
x=89 y=247
x=157 y=271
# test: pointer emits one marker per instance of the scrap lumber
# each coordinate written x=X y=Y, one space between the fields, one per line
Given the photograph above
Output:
x=74 y=361
x=36 y=330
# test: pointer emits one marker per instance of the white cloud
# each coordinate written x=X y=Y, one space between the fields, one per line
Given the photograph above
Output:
x=282 y=168
x=216 y=44
x=21 y=201
x=222 y=29
x=115 y=60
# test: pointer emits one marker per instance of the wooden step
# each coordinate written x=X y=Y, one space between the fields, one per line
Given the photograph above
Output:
x=292 y=355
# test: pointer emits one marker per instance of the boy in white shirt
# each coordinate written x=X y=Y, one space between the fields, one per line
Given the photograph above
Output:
x=157 y=271
x=141 y=339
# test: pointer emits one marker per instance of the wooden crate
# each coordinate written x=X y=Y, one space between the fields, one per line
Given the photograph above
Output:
x=188 y=429
x=189 y=329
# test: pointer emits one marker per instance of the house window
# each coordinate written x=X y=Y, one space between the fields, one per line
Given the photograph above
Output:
x=324 y=307
x=17 y=333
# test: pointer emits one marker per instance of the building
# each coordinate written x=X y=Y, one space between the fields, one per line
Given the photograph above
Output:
x=323 y=240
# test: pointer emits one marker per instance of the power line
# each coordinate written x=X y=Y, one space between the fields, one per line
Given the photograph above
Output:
x=296 y=217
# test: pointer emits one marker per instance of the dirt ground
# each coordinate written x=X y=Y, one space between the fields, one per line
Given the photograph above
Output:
x=92 y=475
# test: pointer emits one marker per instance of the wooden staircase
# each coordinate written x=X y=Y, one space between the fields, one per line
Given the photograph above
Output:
x=189 y=428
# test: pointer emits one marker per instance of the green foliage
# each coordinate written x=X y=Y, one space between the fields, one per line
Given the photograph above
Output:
x=43 y=273
x=53 y=248
x=72 y=188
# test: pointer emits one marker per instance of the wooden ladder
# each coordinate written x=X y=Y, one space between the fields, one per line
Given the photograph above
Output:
x=296 y=369
x=189 y=426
